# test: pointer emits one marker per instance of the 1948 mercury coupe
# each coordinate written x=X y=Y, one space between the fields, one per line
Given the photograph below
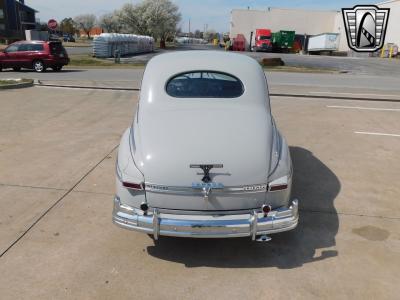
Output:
x=203 y=157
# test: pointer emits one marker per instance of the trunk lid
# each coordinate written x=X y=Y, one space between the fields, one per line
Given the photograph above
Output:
x=238 y=139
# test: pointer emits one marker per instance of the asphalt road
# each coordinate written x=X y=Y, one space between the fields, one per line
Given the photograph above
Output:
x=353 y=65
x=79 y=50
x=131 y=78
x=57 y=156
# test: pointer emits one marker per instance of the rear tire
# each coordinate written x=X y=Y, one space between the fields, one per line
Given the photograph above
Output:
x=39 y=66
x=1 y=68
x=17 y=69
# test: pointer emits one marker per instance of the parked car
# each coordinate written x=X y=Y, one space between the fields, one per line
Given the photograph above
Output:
x=203 y=157
x=68 y=38
x=36 y=55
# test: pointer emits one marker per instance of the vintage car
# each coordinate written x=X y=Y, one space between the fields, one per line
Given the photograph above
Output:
x=203 y=157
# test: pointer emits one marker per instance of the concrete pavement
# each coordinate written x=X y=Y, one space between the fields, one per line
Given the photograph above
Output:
x=57 y=155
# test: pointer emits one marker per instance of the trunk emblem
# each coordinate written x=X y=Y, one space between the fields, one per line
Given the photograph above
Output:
x=206 y=186
x=206 y=169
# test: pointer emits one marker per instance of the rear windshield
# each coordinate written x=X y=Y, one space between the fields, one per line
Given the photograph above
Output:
x=204 y=84
x=265 y=37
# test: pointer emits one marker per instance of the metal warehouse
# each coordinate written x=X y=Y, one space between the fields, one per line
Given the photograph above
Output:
x=306 y=22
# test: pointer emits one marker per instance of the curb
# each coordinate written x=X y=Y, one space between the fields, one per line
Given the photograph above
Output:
x=39 y=83
x=21 y=85
x=334 y=97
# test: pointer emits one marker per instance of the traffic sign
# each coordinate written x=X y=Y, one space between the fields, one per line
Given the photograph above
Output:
x=52 y=24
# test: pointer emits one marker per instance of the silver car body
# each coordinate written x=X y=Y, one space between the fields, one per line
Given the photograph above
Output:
x=169 y=135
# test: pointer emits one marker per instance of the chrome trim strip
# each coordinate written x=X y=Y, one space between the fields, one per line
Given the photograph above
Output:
x=247 y=189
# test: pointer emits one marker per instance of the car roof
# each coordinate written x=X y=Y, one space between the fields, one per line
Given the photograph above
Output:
x=30 y=42
x=208 y=59
x=163 y=67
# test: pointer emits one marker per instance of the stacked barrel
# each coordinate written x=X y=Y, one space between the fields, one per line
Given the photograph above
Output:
x=108 y=44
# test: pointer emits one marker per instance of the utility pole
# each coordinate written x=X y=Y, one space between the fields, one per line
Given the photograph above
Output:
x=189 y=27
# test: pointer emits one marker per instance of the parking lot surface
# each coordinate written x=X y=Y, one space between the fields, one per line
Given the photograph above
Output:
x=57 y=158
x=360 y=65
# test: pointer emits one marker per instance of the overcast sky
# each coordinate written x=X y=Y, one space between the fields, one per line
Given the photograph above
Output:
x=215 y=13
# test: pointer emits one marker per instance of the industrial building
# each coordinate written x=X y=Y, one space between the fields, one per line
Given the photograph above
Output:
x=393 y=29
x=306 y=22
x=15 y=18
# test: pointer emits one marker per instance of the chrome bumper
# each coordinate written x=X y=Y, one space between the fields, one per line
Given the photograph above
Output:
x=251 y=224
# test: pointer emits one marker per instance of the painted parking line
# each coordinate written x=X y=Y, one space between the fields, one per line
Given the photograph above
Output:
x=364 y=108
x=355 y=94
x=377 y=133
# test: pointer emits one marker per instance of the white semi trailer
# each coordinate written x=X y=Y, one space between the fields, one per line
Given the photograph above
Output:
x=325 y=42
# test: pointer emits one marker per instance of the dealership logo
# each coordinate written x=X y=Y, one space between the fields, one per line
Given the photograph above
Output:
x=365 y=27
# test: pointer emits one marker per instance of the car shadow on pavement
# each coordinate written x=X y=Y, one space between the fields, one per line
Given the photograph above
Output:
x=316 y=187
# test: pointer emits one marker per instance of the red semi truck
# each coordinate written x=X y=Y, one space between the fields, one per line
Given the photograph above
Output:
x=262 y=40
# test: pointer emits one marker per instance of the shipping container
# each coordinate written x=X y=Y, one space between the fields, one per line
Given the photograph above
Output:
x=239 y=43
x=283 y=40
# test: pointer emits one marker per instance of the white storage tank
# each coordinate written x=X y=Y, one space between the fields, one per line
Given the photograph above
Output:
x=106 y=44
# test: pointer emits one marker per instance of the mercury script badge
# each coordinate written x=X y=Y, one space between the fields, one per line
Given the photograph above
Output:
x=206 y=186
x=365 y=27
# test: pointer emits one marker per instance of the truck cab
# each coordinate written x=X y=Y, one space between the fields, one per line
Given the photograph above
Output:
x=262 y=40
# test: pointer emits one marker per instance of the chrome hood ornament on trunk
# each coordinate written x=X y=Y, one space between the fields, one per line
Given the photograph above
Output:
x=206 y=187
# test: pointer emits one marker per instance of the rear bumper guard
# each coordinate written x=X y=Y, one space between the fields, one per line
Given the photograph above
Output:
x=252 y=224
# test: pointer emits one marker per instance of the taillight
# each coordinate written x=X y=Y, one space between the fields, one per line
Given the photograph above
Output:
x=133 y=186
x=279 y=187
x=279 y=184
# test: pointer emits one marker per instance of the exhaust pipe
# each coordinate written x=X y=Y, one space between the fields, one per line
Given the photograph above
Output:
x=263 y=238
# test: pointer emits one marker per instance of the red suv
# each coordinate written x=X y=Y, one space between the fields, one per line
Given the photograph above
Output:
x=36 y=55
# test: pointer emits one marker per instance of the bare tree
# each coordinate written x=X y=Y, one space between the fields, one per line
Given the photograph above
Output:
x=162 y=17
x=85 y=22
x=67 y=25
x=198 y=34
x=158 y=18
x=133 y=19
x=110 y=22
x=210 y=35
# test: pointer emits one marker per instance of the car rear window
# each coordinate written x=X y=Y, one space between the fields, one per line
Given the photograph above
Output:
x=204 y=84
